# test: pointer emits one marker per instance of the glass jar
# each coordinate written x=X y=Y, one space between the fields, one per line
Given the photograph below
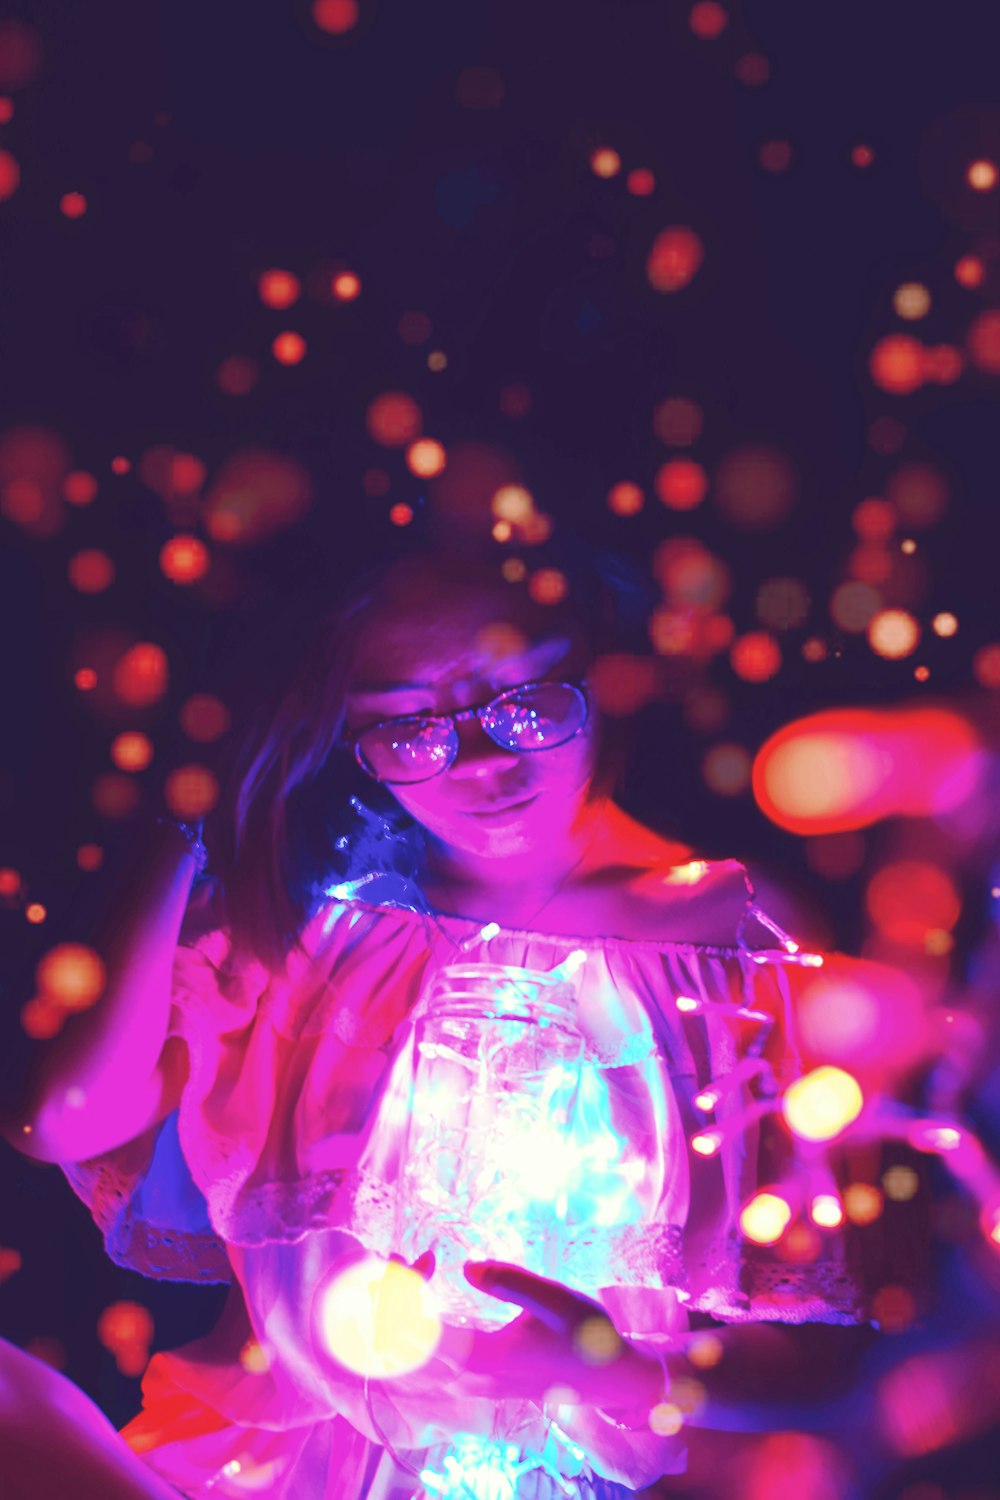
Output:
x=491 y=1149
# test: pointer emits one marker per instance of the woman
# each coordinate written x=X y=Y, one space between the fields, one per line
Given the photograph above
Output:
x=224 y=1109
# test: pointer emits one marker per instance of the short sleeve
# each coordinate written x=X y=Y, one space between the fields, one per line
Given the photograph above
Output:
x=142 y=1195
x=780 y=1264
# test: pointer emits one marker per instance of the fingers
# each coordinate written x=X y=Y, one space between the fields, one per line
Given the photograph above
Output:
x=553 y=1304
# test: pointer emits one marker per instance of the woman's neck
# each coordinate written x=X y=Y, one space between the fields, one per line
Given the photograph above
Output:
x=529 y=875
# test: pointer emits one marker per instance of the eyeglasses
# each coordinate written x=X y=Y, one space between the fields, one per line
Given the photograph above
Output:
x=534 y=716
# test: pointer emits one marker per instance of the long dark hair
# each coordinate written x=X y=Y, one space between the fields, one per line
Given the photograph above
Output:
x=296 y=814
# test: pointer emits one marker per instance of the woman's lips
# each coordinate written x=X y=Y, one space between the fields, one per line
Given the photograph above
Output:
x=507 y=811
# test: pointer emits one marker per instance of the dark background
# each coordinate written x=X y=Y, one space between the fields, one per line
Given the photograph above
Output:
x=262 y=142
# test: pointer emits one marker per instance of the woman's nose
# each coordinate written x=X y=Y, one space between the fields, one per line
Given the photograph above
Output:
x=477 y=753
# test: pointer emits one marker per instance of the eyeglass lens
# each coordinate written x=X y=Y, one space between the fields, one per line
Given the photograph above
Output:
x=414 y=749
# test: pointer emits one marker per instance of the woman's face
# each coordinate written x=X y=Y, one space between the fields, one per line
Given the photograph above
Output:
x=450 y=645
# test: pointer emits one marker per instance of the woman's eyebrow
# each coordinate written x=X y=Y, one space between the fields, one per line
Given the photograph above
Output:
x=377 y=689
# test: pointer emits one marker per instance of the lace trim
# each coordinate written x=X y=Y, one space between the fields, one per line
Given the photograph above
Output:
x=134 y=1243
x=824 y=1292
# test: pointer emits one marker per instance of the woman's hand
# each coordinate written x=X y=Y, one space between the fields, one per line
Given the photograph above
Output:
x=563 y=1347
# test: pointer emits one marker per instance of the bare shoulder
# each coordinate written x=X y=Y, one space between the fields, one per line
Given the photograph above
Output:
x=657 y=890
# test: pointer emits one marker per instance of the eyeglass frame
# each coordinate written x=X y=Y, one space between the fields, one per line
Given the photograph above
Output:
x=578 y=686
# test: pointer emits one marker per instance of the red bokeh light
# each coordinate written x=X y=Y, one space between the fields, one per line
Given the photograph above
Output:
x=91 y=571
x=753 y=69
x=394 y=419
x=970 y=271
x=983 y=341
x=896 y=364
x=677 y=421
x=675 y=259
x=755 y=656
x=79 y=487
x=114 y=795
x=141 y=675
x=10 y=884
x=289 y=347
x=755 y=486
x=120 y=464
x=204 y=718
x=400 y=514
x=191 y=791
x=184 y=559
x=625 y=498
x=6 y=110
x=862 y=156
x=73 y=205
x=237 y=375
x=909 y=898
x=10 y=175
x=85 y=679
x=874 y=519
x=335 y=17
x=278 y=289
x=708 y=20
x=20 y=54
x=90 y=857
x=640 y=182
x=254 y=494
x=681 y=483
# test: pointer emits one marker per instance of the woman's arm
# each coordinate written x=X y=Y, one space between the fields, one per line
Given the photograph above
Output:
x=108 y=1076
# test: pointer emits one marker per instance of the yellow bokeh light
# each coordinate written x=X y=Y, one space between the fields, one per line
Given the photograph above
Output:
x=765 y=1218
x=131 y=751
x=548 y=586
x=827 y=1211
x=900 y=1183
x=944 y=624
x=893 y=633
x=705 y=1350
x=597 y=1342
x=605 y=162
x=625 y=498
x=377 y=1318
x=71 y=976
x=666 y=1419
x=426 y=458
x=513 y=503
x=346 y=286
x=862 y=1202
x=982 y=175
x=191 y=791
x=822 y=1104
x=912 y=300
